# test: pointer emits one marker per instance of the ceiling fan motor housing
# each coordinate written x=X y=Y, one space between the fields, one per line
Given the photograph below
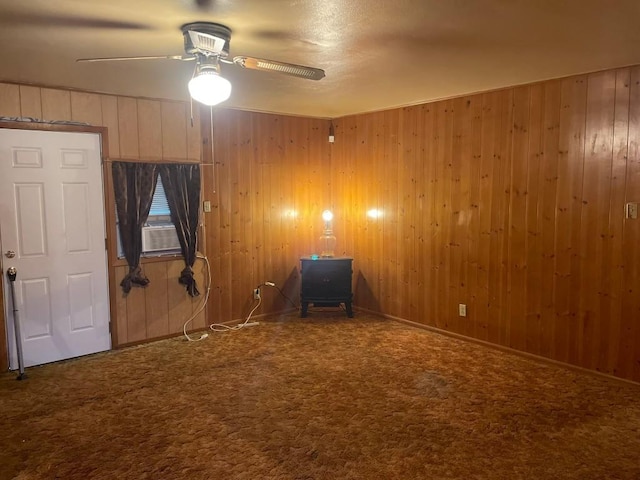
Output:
x=214 y=29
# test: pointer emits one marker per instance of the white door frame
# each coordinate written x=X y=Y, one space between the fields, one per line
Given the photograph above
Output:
x=109 y=227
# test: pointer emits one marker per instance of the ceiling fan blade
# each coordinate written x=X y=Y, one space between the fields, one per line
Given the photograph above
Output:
x=118 y=59
x=48 y=20
x=203 y=4
x=279 y=67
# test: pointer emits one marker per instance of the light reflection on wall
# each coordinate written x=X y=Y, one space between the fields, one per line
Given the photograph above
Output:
x=374 y=213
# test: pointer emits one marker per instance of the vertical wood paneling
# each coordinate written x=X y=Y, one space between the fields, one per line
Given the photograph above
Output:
x=488 y=172
x=199 y=321
x=174 y=131
x=242 y=221
x=30 y=102
x=110 y=120
x=266 y=167
x=121 y=319
x=194 y=137
x=461 y=212
x=392 y=205
x=443 y=204
x=533 y=274
x=502 y=218
x=406 y=195
x=570 y=167
x=224 y=157
x=595 y=212
x=420 y=267
x=211 y=221
x=128 y=127
x=428 y=206
x=86 y=107
x=136 y=315
x=293 y=147
x=629 y=354
x=9 y=100
x=56 y=104
x=237 y=170
x=156 y=300
x=264 y=139
x=614 y=268
x=180 y=308
x=527 y=188
x=149 y=129
x=457 y=225
x=346 y=212
x=547 y=211
x=471 y=327
x=517 y=232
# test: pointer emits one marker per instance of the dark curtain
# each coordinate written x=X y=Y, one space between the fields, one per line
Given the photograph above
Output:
x=181 y=184
x=134 y=185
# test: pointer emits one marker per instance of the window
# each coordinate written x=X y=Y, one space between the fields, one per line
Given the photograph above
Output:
x=159 y=234
x=159 y=211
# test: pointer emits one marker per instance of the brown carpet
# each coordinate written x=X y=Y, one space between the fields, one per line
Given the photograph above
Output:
x=319 y=398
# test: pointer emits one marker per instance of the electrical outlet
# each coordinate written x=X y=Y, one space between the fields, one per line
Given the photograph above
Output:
x=462 y=310
x=631 y=210
x=206 y=206
x=256 y=294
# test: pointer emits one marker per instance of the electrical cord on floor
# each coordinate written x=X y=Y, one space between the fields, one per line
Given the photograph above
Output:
x=201 y=307
x=283 y=294
x=221 y=327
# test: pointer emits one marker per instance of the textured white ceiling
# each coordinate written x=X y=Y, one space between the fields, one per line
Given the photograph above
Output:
x=377 y=54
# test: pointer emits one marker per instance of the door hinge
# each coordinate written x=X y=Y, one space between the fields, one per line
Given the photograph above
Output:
x=106 y=244
x=109 y=327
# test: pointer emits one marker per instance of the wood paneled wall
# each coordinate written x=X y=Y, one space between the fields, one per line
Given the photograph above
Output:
x=138 y=130
x=511 y=202
x=268 y=183
x=162 y=308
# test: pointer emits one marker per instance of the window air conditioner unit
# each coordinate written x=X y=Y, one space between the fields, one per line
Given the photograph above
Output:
x=159 y=237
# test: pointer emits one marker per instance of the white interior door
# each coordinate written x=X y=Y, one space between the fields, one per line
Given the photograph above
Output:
x=52 y=217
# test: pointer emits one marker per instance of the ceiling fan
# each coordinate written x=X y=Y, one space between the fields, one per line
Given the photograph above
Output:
x=208 y=44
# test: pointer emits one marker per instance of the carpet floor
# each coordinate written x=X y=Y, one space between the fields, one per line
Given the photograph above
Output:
x=319 y=398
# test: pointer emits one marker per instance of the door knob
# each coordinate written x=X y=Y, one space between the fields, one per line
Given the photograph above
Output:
x=9 y=254
x=12 y=273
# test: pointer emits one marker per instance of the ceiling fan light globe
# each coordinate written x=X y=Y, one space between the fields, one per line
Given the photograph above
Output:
x=209 y=88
